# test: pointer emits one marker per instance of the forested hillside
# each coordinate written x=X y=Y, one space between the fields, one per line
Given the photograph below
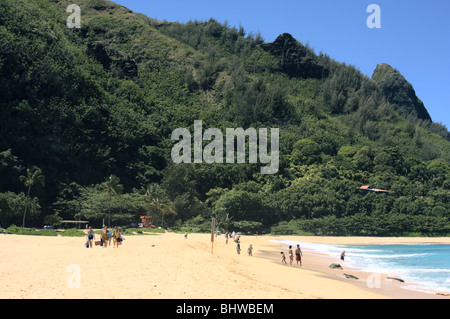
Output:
x=87 y=116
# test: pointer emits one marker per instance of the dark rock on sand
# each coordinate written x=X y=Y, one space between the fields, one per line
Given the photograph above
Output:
x=335 y=266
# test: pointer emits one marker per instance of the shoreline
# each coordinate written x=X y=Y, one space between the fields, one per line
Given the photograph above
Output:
x=380 y=283
x=168 y=266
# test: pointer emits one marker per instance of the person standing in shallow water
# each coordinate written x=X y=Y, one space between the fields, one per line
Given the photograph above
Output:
x=298 y=255
x=291 y=256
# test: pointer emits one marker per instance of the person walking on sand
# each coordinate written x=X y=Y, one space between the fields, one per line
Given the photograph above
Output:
x=298 y=255
x=343 y=255
x=104 y=237
x=238 y=247
x=185 y=235
x=250 y=250
x=116 y=236
x=291 y=255
x=283 y=258
x=110 y=236
x=90 y=236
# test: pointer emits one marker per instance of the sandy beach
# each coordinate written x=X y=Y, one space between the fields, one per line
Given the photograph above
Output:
x=168 y=266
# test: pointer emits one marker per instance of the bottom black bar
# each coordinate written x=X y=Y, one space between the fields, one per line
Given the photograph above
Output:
x=218 y=308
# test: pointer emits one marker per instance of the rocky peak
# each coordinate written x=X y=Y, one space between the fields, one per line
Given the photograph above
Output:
x=400 y=92
x=295 y=59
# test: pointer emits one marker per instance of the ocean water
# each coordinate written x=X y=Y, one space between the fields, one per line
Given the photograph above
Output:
x=424 y=267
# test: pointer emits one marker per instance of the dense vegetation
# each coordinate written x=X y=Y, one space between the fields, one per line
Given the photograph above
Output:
x=87 y=116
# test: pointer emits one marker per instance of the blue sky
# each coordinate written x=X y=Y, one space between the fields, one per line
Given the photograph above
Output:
x=414 y=36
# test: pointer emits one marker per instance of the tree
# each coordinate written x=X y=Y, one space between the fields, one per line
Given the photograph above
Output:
x=122 y=210
x=158 y=201
x=52 y=220
x=113 y=188
x=12 y=206
x=305 y=152
x=9 y=168
x=237 y=205
x=34 y=176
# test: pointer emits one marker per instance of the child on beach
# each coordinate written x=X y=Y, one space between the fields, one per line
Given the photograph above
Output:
x=283 y=258
x=250 y=249
x=238 y=247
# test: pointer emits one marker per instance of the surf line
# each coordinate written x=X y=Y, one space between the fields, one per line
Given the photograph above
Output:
x=213 y=152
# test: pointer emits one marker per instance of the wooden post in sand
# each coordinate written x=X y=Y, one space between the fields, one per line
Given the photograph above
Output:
x=212 y=233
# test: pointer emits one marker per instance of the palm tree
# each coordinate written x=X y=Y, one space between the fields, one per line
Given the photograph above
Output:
x=114 y=188
x=159 y=201
x=34 y=176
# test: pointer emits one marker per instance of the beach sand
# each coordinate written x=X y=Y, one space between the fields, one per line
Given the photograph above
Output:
x=168 y=266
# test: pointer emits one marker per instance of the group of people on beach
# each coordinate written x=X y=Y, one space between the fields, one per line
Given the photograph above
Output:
x=298 y=252
x=105 y=237
x=237 y=240
x=298 y=256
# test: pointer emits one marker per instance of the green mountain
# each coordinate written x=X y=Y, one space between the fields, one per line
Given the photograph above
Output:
x=95 y=107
